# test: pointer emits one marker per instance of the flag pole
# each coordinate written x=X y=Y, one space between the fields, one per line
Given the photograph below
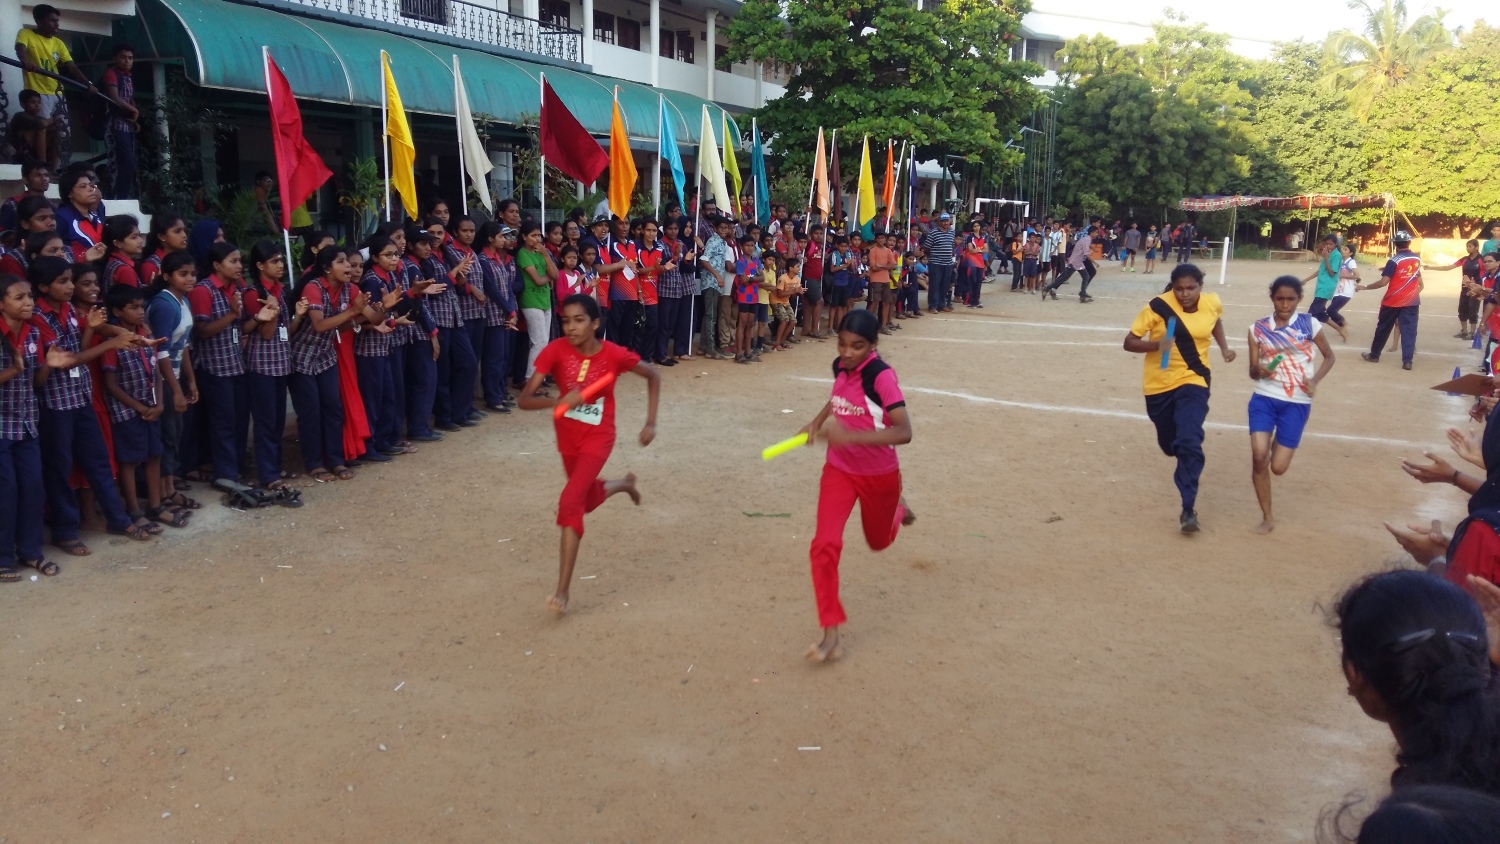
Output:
x=458 y=126
x=661 y=107
x=541 y=177
x=828 y=223
x=385 y=134
x=704 y=340
x=891 y=212
x=286 y=236
x=859 y=185
x=812 y=185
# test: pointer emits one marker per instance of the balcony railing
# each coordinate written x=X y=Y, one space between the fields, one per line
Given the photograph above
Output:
x=458 y=19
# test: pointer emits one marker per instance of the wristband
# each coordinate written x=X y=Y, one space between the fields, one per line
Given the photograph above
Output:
x=1454 y=480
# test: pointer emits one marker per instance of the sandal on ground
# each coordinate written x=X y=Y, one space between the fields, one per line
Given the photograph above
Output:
x=47 y=568
x=343 y=473
x=198 y=475
x=287 y=497
x=322 y=476
x=287 y=475
x=74 y=547
x=134 y=531
x=181 y=501
x=277 y=486
x=9 y=575
x=139 y=520
x=167 y=516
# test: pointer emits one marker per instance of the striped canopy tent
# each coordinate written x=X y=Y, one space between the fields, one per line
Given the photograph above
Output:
x=1287 y=203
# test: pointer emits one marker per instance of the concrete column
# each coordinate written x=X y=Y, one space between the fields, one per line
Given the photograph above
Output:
x=532 y=9
x=10 y=25
x=712 y=39
x=760 y=84
x=655 y=43
x=932 y=194
x=588 y=32
x=159 y=85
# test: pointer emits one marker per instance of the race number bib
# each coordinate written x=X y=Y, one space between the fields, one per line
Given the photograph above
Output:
x=588 y=414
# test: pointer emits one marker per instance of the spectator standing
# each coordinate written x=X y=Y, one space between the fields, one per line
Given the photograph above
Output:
x=42 y=52
x=124 y=122
x=940 y=265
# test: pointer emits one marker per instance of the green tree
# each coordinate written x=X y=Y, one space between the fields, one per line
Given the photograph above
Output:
x=1435 y=142
x=1386 y=52
x=1142 y=126
x=938 y=77
x=1304 y=138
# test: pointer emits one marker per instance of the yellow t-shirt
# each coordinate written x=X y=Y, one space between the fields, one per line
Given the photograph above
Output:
x=763 y=296
x=1200 y=323
x=46 y=53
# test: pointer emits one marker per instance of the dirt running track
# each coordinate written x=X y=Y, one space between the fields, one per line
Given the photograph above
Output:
x=1041 y=658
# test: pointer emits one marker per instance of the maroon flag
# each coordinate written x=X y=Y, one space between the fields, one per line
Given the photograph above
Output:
x=566 y=144
x=835 y=186
x=299 y=169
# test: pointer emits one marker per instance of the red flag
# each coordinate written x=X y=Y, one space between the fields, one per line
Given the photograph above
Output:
x=566 y=144
x=299 y=169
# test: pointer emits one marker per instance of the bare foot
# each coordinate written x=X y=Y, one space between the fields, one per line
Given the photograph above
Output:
x=557 y=604
x=908 y=517
x=827 y=650
x=625 y=485
x=1265 y=527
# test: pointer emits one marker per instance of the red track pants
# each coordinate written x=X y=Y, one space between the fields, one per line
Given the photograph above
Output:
x=880 y=512
x=584 y=491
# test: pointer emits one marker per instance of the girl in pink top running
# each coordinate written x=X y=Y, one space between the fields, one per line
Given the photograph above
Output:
x=870 y=421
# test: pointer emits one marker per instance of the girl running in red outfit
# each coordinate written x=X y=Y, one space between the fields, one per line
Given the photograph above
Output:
x=586 y=433
x=862 y=466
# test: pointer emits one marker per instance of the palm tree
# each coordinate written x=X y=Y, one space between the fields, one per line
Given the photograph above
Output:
x=1385 y=53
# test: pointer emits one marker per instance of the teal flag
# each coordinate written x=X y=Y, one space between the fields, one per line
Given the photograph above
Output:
x=668 y=151
x=758 y=173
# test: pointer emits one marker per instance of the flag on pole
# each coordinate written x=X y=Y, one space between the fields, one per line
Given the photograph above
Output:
x=299 y=169
x=864 y=211
x=888 y=184
x=820 y=179
x=758 y=173
x=565 y=143
x=835 y=181
x=668 y=150
x=731 y=161
x=713 y=171
x=622 y=175
x=403 y=150
x=476 y=158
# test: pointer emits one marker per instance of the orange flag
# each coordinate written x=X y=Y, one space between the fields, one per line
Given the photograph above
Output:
x=819 y=198
x=888 y=184
x=622 y=173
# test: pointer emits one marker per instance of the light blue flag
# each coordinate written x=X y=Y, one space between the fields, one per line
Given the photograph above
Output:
x=758 y=173
x=669 y=152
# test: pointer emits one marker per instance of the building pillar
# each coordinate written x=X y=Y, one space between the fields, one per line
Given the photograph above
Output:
x=655 y=43
x=159 y=85
x=532 y=9
x=760 y=84
x=588 y=32
x=712 y=37
x=932 y=194
x=10 y=26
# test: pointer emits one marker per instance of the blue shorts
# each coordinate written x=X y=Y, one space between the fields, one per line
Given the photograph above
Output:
x=136 y=440
x=1286 y=419
x=762 y=313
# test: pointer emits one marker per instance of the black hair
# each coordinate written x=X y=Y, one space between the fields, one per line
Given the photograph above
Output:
x=377 y=244
x=566 y=250
x=122 y=47
x=1420 y=644
x=27 y=207
x=45 y=270
x=37 y=241
x=1185 y=271
x=791 y=261
x=28 y=94
x=310 y=240
x=547 y=230
x=527 y=228
x=863 y=323
x=321 y=262
x=1431 y=814
x=455 y=220
x=643 y=222
x=262 y=251
x=746 y=238
x=121 y=295
x=43 y=10
x=169 y=267
x=589 y=304
x=118 y=227
x=31 y=165
x=1287 y=281
x=160 y=225
x=388 y=228
x=70 y=179
x=577 y=213
x=216 y=254
x=504 y=204
x=435 y=202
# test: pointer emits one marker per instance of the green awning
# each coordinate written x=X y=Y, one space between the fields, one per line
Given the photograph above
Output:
x=220 y=45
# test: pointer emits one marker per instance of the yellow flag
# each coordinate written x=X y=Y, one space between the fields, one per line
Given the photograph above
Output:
x=403 y=154
x=622 y=173
x=866 y=210
x=731 y=161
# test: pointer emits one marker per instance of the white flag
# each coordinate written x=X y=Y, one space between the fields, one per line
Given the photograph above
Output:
x=476 y=159
x=713 y=167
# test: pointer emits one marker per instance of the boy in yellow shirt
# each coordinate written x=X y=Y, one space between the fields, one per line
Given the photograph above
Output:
x=41 y=52
x=788 y=284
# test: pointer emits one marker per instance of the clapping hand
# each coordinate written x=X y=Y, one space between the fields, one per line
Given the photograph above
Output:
x=1423 y=543
x=1467 y=444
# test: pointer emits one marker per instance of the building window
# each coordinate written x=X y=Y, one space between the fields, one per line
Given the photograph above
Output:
x=629 y=33
x=430 y=11
x=720 y=51
x=558 y=13
x=666 y=43
x=604 y=27
x=685 y=45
